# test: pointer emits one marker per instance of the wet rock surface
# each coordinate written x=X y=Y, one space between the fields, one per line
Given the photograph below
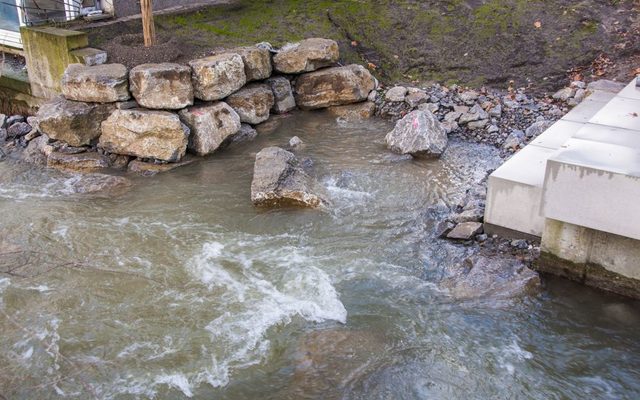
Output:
x=419 y=133
x=104 y=83
x=279 y=180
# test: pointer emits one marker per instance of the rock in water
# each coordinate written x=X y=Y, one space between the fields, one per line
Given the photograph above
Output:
x=353 y=112
x=465 y=231
x=333 y=87
x=106 y=83
x=252 y=103
x=210 y=125
x=146 y=134
x=493 y=277
x=419 y=133
x=218 y=76
x=72 y=122
x=162 y=86
x=257 y=62
x=82 y=162
x=151 y=169
x=282 y=93
x=279 y=180
x=306 y=56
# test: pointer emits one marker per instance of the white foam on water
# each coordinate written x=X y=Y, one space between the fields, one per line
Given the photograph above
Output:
x=176 y=381
x=512 y=354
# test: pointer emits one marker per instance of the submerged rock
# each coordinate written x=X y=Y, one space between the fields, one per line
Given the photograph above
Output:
x=210 y=125
x=147 y=134
x=279 y=180
x=106 y=83
x=150 y=169
x=100 y=183
x=353 y=112
x=246 y=133
x=217 y=76
x=162 y=86
x=334 y=87
x=72 y=122
x=282 y=93
x=490 y=277
x=306 y=56
x=419 y=133
x=252 y=103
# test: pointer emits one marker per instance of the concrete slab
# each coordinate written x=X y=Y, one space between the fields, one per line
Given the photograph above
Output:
x=620 y=112
x=595 y=185
x=514 y=196
x=557 y=134
x=609 y=134
x=631 y=91
x=584 y=111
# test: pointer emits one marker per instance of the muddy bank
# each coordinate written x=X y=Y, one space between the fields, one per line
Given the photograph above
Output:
x=536 y=44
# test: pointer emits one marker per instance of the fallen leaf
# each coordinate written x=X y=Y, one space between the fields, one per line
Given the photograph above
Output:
x=354 y=43
x=537 y=24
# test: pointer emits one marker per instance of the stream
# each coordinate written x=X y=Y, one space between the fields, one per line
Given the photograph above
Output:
x=180 y=288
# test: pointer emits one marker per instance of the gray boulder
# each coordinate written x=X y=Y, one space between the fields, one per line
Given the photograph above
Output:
x=419 y=133
x=210 y=125
x=106 y=83
x=252 y=103
x=162 y=86
x=142 y=133
x=282 y=94
x=72 y=122
x=217 y=76
x=465 y=231
x=494 y=278
x=333 y=87
x=18 y=129
x=279 y=180
x=306 y=56
x=245 y=134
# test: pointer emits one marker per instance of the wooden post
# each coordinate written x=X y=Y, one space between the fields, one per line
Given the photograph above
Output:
x=148 y=27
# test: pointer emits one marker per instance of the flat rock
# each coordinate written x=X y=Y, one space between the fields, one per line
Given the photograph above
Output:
x=279 y=180
x=150 y=169
x=333 y=87
x=72 y=122
x=210 y=125
x=257 y=62
x=80 y=162
x=606 y=85
x=353 y=112
x=282 y=94
x=146 y=134
x=495 y=278
x=252 y=103
x=396 y=94
x=104 y=83
x=465 y=231
x=306 y=56
x=162 y=86
x=217 y=76
x=419 y=133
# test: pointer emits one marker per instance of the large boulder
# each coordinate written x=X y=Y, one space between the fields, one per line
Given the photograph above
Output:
x=210 y=125
x=419 y=133
x=72 y=122
x=217 y=76
x=282 y=93
x=279 y=180
x=106 y=83
x=306 y=56
x=162 y=86
x=333 y=87
x=257 y=62
x=158 y=135
x=252 y=103
x=495 y=278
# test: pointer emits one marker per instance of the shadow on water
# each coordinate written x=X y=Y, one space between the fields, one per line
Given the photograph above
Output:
x=180 y=288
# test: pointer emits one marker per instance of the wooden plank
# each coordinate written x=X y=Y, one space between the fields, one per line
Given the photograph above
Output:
x=148 y=26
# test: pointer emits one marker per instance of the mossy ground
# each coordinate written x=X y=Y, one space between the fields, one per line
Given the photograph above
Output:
x=533 y=42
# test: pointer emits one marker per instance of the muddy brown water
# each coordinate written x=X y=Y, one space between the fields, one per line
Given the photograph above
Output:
x=180 y=288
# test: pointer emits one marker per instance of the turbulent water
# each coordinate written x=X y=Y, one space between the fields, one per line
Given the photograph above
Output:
x=180 y=288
